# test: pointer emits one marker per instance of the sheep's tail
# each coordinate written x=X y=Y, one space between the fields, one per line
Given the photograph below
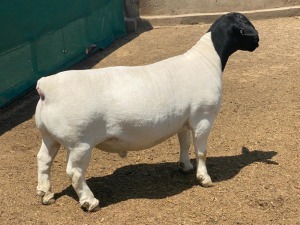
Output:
x=40 y=91
x=38 y=112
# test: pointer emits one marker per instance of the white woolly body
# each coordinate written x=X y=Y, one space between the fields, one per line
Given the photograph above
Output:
x=121 y=109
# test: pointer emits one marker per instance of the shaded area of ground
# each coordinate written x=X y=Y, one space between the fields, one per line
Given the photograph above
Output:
x=253 y=149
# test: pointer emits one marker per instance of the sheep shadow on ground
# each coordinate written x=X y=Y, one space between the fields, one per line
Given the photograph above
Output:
x=158 y=181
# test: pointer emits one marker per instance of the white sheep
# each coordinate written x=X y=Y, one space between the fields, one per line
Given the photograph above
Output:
x=120 y=109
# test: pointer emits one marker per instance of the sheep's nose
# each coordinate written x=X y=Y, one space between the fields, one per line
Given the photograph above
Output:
x=256 y=40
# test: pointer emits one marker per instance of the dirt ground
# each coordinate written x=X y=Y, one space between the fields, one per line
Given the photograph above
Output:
x=253 y=150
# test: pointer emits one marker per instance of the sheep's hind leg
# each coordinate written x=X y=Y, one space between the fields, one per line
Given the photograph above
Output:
x=184 y=138
x=45 y=158
x=78 y=161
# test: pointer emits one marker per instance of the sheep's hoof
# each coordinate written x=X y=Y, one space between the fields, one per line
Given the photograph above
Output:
x=94 y=207
x=40 y=193
x=205 y=181
x=47 y=198
x=186 y=168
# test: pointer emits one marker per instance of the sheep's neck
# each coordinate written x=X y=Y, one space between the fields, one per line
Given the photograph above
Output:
x=223 y=45
x=204 y=51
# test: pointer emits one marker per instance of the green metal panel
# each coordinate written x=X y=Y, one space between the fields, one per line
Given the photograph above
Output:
x=42 y=37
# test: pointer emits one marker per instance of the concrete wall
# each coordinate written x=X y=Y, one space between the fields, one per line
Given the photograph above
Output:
x=153 y=13
x=177 y=7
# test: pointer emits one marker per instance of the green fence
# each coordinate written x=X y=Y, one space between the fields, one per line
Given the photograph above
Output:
x=41 y=37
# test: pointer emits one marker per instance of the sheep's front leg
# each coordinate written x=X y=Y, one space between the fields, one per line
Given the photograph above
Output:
x=200 y=134
x=45 y=158
x=184 y=138
x=78 y=161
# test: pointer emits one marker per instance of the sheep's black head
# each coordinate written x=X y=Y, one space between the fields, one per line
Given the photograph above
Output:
x=246 y=34
x=232 y=32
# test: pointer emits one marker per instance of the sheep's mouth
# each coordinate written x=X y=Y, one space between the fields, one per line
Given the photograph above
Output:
x=253 y=46
x=256 y=40
x=253 y=42
x=256 y=44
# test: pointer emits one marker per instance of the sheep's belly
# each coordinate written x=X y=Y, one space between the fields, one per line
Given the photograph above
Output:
x=117 y=145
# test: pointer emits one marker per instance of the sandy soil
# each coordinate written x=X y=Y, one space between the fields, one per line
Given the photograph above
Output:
x=253 y=150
